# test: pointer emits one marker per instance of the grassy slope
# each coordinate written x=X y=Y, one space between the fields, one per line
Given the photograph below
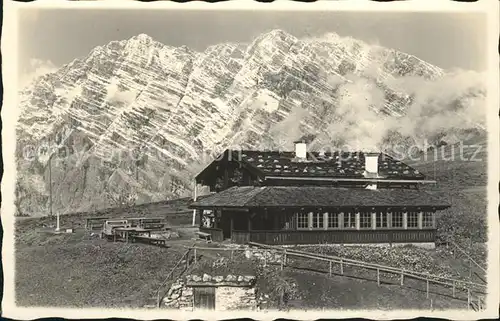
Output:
x=95 y=273
x=311 y=288
x=462 y=181
x=74 y=270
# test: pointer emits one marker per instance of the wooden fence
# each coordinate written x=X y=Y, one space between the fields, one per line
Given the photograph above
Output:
x=475 y=291
x=161 y=288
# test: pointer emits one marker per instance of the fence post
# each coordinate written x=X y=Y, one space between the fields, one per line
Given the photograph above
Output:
x=453 y=288
x=341 y=267
x=231 y=255
x=468 y=299
x=195 y=258
x=284 y=258
x=402 y=276
x=427 y=287
x=378 y=277
x=330 y=269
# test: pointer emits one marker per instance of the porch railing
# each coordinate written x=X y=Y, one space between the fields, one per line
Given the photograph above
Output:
x=216 y=234
x=333 y=236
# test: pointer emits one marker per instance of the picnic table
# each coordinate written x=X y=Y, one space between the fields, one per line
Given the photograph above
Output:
x=125 y=232
x=149 y=240
x=91 y=222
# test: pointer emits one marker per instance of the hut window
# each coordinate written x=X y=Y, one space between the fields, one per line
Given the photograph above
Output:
x=333 y=220
x=365 y=220
x=317 y=220
x=349 y=220
x=427 y=220
x=412 y=220
x=397 y=219
x=381 y=219
x=302 y=220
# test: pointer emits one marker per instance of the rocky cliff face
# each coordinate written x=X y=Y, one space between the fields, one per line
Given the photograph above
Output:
x=136 y=119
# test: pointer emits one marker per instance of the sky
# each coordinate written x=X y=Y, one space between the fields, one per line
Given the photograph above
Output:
x=50 y=38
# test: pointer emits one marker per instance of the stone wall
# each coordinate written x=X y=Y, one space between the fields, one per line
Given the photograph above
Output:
x=179 y=296
x=232 y=292
x=235 y=298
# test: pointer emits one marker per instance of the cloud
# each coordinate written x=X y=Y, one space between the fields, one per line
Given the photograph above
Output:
x=446 y=105
x=113 y=93
x=36 y=69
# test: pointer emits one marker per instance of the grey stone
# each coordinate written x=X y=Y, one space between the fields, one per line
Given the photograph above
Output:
x=196 y=278
x=207 y=278
x=249 y=278
x=240 y=278
x=189 y=277
x=230 y=278
x=219 y=278
x=176 y=287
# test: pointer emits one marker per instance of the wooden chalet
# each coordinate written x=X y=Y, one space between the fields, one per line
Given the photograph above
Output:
x=308 y=198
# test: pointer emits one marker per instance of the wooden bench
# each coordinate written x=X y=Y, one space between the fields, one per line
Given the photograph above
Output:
x=204 y=236
x=149 y=240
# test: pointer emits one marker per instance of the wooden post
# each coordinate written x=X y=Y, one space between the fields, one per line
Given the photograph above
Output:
x=330 y=270
x=402 y=276
x=284 y=259
x=453 y=288
x=378 y=277
x=468 y=299
x=432 y=308
x=341 y=267
x=195 y=258
x=232 y=255
x=427 y=287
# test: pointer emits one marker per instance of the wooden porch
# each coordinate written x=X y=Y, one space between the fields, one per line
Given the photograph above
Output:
x=333 y=237
x=321 y=225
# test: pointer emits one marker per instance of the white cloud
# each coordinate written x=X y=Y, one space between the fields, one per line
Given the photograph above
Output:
x=36 y=69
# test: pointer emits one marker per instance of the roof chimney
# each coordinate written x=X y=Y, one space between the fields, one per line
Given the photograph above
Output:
x=301 y=147
x=300 y=150
x=371 y=168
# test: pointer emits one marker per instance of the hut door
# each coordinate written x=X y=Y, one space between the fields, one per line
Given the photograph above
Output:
x=226 y=225
x=204 y=298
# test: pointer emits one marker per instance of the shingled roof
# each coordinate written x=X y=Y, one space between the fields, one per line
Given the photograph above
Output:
x=331 y=165
x=317 y=196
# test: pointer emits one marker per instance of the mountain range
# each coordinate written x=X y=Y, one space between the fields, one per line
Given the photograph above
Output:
x=135 y=119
